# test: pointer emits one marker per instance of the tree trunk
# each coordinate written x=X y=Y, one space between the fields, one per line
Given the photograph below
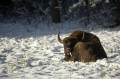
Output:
x=88 y=11
x=55 y=12
x=118 y=13
x=5 y=7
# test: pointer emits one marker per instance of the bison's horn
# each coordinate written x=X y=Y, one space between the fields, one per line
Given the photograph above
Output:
x=83 y=35
x=70 y=54
x=59 y=38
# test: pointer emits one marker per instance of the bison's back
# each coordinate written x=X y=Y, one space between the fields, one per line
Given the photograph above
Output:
x=77 y=34
x=85 y=37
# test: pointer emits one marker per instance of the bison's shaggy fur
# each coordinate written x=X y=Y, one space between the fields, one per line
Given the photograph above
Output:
x=82 y=45
x=86 y=52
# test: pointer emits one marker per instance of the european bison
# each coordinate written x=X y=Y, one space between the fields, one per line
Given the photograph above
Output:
x=82 y=46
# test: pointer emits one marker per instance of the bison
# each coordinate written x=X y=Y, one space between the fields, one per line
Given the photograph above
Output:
x=82 y=46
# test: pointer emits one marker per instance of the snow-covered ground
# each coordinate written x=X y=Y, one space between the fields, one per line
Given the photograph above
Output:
x=33 y=52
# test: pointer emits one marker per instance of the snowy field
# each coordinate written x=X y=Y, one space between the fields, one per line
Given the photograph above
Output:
x=33 y=52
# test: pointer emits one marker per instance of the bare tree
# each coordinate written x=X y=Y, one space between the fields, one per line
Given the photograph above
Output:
x=118 y=12
x=6 y=7
x=88 y=11
x=55 y=12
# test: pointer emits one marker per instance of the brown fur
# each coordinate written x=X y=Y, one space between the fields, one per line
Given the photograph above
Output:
x=86 y=52
x=90 y=42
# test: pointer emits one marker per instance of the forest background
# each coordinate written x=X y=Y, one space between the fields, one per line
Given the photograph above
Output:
x=102 y=12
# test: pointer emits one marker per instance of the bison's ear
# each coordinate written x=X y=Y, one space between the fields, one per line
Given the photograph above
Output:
x=61 y=41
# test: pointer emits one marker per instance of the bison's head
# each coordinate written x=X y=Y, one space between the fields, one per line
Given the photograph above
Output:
x=69 y=43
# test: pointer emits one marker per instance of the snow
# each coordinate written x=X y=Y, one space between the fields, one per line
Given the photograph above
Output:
x=33 y=52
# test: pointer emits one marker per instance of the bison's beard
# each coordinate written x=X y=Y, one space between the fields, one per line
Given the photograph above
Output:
x=68 y=57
